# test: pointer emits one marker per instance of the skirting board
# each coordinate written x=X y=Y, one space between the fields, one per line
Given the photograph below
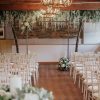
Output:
x=47 y=63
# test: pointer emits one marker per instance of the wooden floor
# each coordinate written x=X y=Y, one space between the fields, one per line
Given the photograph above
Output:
x=59 y=82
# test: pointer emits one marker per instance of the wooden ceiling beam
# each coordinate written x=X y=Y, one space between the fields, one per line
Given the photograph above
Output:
x=38 y=6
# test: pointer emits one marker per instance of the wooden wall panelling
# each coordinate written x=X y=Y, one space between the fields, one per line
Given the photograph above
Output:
x=38 y=6
x=34 y=1
x=6 y=46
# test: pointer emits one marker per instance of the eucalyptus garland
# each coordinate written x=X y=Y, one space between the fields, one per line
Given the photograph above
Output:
x=30 y=19
x=41 y=93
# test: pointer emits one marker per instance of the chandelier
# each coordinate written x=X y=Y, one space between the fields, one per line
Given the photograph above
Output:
x=50 y=12
x=57 y=3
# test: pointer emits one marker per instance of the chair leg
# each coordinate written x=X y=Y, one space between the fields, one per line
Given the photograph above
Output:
x=70 y=70
x=79 y=82
x=73 y=73
x=75 y=77
x=85 y=92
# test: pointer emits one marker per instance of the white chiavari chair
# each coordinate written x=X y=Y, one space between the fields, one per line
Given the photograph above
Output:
x=34 y=66
x=18 y=64
x=86 y=72
x=72 y=61
x=78 y=66
x=96 y=95
x=93 y=88
x=89 y=78
x=3 y=74
x=26 y=73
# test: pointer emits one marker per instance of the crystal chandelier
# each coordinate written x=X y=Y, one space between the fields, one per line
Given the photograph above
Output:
x=57 y=3
x=47 y=16
x=50 y=12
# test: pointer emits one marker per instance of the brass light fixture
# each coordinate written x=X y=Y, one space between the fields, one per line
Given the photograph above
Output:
x=50 y=12
x=52 y=9
x=57 y=3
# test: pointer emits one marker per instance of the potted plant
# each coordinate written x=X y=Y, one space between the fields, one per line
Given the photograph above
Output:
x=63 y=64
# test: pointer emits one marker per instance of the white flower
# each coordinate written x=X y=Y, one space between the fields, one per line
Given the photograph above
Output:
x=45 y=99
x=63 y=65
x=2 y=93
x=37 y=94
x=26 y=24
x=23 y=28
x=8 y=95
x=51 y=95
x=29 y=96
x=43 y=91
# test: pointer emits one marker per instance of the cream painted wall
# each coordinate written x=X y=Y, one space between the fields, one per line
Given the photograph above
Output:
x=92 y=33
x=52 y=53
x=6 y=46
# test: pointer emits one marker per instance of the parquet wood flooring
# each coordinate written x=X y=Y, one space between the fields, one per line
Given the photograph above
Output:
x=59 y=82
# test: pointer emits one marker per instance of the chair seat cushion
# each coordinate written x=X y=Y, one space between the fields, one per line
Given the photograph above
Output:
x=89 y=81
x=93 y=88
x=96 y=95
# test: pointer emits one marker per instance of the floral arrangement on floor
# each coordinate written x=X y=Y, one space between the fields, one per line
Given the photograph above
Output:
x=4 y=93
x=41 y=93
x=38 y=93
x=63 y=64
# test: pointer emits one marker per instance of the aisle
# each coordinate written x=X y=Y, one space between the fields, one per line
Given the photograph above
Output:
x=59 y=82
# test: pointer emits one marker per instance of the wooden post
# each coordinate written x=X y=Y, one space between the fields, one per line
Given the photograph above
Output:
x=78 y=35
x=26 y=40
x=16 y=41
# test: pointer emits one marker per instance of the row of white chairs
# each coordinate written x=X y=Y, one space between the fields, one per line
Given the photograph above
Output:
x=16 y=57
x=85 y=68
x=19 y=64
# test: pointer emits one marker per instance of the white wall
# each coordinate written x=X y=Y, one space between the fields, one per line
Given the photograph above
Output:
x=52 y=53
x=45 y=52
x=46 y=49
x=92 y=33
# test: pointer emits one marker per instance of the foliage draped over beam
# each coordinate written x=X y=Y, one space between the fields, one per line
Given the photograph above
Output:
x=32 y=18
